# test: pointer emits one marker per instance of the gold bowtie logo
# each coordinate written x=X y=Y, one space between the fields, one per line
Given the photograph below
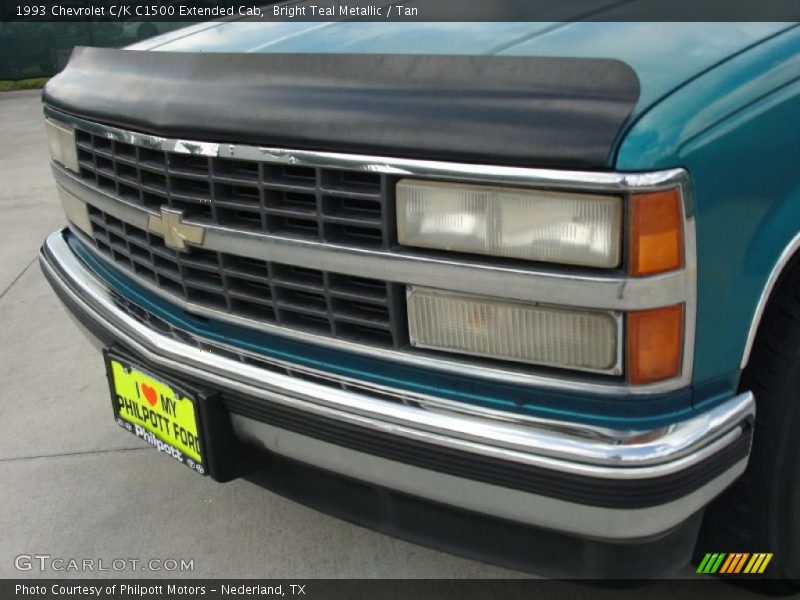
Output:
x=175 y=232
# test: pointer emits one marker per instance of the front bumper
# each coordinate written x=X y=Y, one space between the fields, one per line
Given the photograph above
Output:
x=581 y=481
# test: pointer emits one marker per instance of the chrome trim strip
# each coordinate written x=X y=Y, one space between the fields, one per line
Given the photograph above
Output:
x=690 y=268
x=601 y=181
x=786 y=255
x=563 y=446
x=484 y=498
x=609 y=291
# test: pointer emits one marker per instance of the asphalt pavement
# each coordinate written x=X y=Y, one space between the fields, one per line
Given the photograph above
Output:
x=74 y=486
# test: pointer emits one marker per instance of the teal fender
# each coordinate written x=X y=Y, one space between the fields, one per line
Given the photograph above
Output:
x=736 y=129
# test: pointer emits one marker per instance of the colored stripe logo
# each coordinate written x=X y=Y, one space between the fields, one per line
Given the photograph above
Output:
x=734 y=563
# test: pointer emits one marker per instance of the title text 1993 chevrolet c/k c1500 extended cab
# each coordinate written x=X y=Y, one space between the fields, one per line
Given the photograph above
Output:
x=524 y=291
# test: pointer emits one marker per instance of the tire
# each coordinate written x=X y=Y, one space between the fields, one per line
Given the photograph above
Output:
x=761 y=511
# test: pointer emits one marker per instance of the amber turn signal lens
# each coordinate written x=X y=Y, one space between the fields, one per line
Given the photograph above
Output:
x=654 y=344
x=656 y=233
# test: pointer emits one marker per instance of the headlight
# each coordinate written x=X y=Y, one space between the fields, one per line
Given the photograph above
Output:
x=75 y=210
x=61 y=140
x=540 y=225
x=508 y=330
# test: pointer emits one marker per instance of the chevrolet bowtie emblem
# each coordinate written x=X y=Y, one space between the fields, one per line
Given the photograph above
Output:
x=175 y=232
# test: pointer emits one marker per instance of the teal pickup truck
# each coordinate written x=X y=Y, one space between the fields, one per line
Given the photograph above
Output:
x=528 y=292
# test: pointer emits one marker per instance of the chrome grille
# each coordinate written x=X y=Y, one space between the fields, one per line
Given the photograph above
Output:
x=313 y=203
x=342 y=306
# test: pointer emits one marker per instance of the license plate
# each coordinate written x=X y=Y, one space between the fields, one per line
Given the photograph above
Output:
x=156 y=411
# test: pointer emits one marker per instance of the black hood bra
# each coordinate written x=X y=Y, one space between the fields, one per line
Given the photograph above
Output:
x=516 y=111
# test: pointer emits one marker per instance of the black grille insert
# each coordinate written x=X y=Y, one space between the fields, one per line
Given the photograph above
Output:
x=321 y=204
x=332 y=304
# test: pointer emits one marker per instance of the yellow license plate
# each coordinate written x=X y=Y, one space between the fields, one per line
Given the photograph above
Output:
x=156 y=412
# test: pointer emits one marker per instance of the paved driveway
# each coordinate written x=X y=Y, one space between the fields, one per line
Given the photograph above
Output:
x=74 y=486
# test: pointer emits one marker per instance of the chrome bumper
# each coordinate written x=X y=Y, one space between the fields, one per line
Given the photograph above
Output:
x=578 y=454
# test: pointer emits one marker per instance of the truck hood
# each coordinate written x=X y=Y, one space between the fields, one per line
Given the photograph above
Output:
x=516 y=94
x=663 y=55
x=509 y=110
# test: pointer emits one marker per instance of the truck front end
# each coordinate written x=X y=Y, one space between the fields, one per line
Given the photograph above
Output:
x=410 y=290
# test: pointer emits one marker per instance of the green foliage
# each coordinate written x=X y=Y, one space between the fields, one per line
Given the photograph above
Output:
x=23 y=84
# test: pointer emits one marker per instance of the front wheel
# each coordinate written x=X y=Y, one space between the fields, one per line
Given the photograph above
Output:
x=760 y=513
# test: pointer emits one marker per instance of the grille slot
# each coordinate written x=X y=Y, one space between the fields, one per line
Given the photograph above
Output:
x=312 y=203
x=331 y=304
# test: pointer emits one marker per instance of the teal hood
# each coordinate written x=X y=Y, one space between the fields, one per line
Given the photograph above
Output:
x=664 y=55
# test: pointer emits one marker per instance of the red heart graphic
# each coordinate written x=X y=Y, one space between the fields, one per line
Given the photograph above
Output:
x=150 y=394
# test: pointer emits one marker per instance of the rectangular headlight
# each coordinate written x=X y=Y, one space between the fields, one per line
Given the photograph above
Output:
x=76 y=210
x=61 y=140
x=489 y=327
x=540 y=225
